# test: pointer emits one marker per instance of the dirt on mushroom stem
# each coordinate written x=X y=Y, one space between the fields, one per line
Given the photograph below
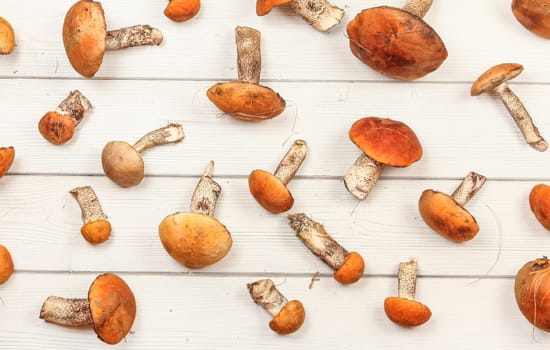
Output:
x=89 y=204
x=137 y=35
x=320 y=14
x=291 y=162
x=249 y=57
x=265 y=294
x=206 y=193
x=467 y=189
x=76 y=105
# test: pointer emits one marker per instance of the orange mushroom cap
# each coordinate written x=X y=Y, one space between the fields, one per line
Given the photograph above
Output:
x=6 y=264
x=495 y=76
x=351 y=270
x=97 y=231
x=7 y=37
x=122 y=164
x=539 y=201
x=533 y=15
x=182 y=10
x=263 y=7
x=406 y=312
x=56 y=128
x=289 y=319
x=270 y=192
x=7 y=154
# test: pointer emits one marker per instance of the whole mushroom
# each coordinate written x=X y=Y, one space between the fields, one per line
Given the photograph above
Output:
x=7 y=155
x=533 y=15
x=6 y=264
x=531 y=289
x=7 y=37
x=96 y=228
x=182 y=10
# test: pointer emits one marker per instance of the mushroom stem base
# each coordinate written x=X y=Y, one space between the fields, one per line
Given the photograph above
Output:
x=66 y=312
x=132 y=36
x=471 y=184
x=291 y=162
x=265 y=294
x=362 y=176
x=321 y=14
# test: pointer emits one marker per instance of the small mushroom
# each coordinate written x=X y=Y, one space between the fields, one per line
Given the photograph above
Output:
x=245 y=98
x=349 y=267
x=403 y=309
x=494 y=80
x=7 y=154
x=58 y=126
x=383 y=142
x=110 y=308
x=288 y=316
x=86 y=38
x=539 y=202
x=182 y=10
x=196 y=239
x=446 y=214
x=533 y=15
x=7 y=37
x=532 y=292
x=6 y=264
x=397 y=42
x=321 y=14
x=123 y=164
x=96 y=228
x=270 y=191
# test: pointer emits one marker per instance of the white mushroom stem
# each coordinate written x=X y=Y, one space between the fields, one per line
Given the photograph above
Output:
x=132 y=36
x=169 y=134
x=521 y=117
x=291 y=162
x=206 y=193
x=321 y=14
x=314 y=236
x=362 y=176
x=89 y=204
x=406 y=279
x=66 y=312
x=265 y=294
x=75 y=105
x=468 y=188
x=249 y=57
x=418 y=8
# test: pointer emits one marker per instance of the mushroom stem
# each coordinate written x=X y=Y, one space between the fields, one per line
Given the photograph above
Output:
x=265 y=294
x=521 y=117
x=169 y=134
x=468 y=188
x=89 y=204
x=66 y=312
x=206 y=193
x=418 y=8
x=132 y=36
x=362 y=176
x=249 y=57
x=75 y=105
x=321 y=14
x=318 y=240
x=291 y=162
x=406 y=279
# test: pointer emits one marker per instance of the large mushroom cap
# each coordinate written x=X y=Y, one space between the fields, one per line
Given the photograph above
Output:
x=495 y=76
x=395 y=43
x=112 y=306
x=405 y=312
x=56 y=128
x=97 y=231
x=270 y=192
x=386 y=141
x=263 y=7
x=533 y=15
x=182 y=10
x=194 y=239
x=122 y=164
x=7 y=155
x=539 y=201
x=446 y=217
x=84 y=32
x=531 y=290
x=7 y=37
x=351 y=270
x=6 y=264
x=289 y=319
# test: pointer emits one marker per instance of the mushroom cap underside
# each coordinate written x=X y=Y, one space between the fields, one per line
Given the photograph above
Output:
x=270 y=192
x=539 y=202
x=533 y=15
x=289 y=319
x=7 y=37
x=263 y=7
x=122 y=164
x=7 y=155
x=351 y=270
x=406 y=312
x=495 y=76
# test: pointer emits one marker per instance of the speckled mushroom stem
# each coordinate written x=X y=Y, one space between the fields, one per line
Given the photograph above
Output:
x=321 y=14
x=318 y=240
x=362 y=176
x=75 y=105
x=521 y=117
x=89 y=204
x=249 y=56
x=206 y=193
x=169 y=134
x=265 y=294
x=418 y=7
x=291 y=162
x=468 y=188
x=406 y=279
x=132 y=36
x=66 y=312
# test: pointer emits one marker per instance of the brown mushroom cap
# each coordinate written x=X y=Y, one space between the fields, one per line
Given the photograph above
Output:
x=263 y=7
x=194 y=239
x=289 y=319
x=533 y=15
x=7 y=154
x=7 y=37
x=122 y=164
x=270 y=192
x=246 y=101
x=387 y=141
x=531 y=288
x=395 y=43
x=539 y=201
x=56 y=128
x=6 y=264
x=84 y=32
x=406 y=312
x=495 y=76
x=351 y=270
x=182 y=10
x=112 y=306
x=97 y=231
x=443 y=215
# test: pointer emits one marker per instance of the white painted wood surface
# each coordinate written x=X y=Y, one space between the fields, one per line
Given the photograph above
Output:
x=469 y=286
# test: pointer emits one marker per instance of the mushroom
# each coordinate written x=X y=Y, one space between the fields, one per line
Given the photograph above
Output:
x=96 y=228
x=349 y=267
x=533 y=15
x=288 y=316
x=403 y=309
x=58 y=126
x=384 y=142
x=6 y=264
x=110 y=308
x=182 y=10
x=270 y=191
x=531 y=289
x=446 y=214
x=245 y=98
x=539 y=202
x=86 y=38
x=397 y=42
x=196 y=239
x=494 y=80
x=7 y=37
x=7 y=154
x=321 y=14
x=123 y=164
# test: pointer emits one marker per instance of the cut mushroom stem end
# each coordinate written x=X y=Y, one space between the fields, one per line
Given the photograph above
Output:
x=137 y=35
x=66 y=312
x=206 y=193
x=96 y=228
